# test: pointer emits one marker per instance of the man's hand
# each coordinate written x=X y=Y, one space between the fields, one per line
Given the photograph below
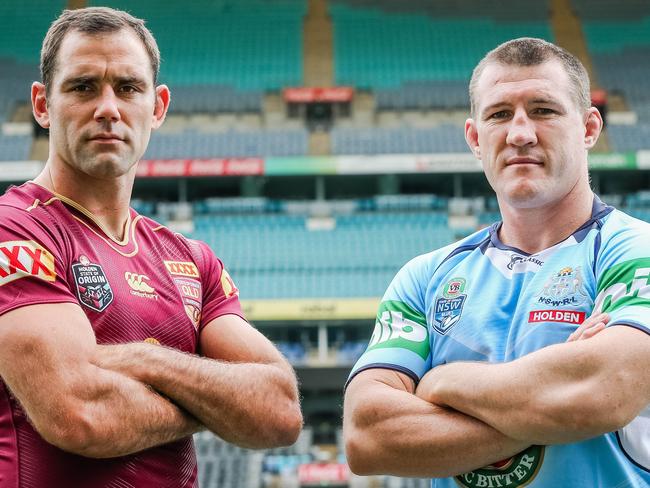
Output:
x=590 y=327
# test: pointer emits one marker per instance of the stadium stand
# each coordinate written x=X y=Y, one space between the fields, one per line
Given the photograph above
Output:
x=223 y=465
x=379 y=45
x=276 y=256
x=15 y=148
x=445 y=138
x=246 y=44
x=619 y=42
x=22 y=26
x=193 y=144
x=225 y=58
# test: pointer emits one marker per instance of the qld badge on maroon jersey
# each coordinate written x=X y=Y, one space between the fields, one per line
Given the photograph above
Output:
x=93 y=289
x=185 y=275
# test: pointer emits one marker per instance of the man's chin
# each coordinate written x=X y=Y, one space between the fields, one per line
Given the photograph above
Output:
x=108 y=167
x=525 y=196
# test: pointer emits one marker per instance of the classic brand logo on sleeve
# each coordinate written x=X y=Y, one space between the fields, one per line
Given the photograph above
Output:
x=182 y=268
x=625 y=284
x=399 y=326
x=20 y=259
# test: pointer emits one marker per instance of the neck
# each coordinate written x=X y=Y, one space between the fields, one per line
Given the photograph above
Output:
x=107 y=199
x=534 y=229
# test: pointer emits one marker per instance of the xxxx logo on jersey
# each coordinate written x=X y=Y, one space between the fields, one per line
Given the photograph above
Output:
x=185 y=274
x=625 y=284
x=514 y=472
x=228 y=285
x=399 y=326
x=20 y=259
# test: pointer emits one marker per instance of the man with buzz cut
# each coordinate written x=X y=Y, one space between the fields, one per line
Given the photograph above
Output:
x=482 y=370
x=119 y=338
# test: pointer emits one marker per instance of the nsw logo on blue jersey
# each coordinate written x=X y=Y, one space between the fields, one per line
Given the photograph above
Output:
x=564 y=288
x=449 y=307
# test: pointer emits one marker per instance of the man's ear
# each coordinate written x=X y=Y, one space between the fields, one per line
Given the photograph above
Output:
x=163 y=98
x=593 y=127
x=39 y=105
x=471 y=136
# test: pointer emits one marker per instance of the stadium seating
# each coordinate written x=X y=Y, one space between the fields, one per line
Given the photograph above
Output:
x=246 y=44
x=618 y=38
x=223 y=465
x=15 y=148
x=380 y=50
x=193 y=144
x=23 y=24
x=444 y=138
x=195 y=99
x=275 y=256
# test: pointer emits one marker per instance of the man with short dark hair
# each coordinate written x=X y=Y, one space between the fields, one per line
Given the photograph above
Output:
x=120 y=338
x=482 y=370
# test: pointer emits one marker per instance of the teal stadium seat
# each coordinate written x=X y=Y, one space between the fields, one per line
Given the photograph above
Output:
x=377 y=47
x=22 y=27
x=618 y=38
x=247 y=44
x=275 y=256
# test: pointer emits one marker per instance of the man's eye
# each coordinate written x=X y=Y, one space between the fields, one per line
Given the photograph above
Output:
x=501 y=114
x=544 y=111
x=128 y=89
x=81 y=88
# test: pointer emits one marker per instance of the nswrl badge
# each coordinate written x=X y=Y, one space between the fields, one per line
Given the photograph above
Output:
x=449 y=307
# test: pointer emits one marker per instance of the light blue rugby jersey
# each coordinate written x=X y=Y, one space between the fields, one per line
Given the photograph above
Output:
x=480 y=300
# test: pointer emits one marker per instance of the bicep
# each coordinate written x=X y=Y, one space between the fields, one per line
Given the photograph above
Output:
x=45 y=349
x=624 y=352
x=230 y=338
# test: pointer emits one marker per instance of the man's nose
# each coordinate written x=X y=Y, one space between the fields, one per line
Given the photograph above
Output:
x=521 y=131
x=107 y=105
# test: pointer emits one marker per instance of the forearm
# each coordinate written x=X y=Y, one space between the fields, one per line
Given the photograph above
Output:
x=562 y=393
x=400 y=434
x=250 y=404
x=121 y=416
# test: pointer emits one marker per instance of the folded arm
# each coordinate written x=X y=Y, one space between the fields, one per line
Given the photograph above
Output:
x=48 y=361
x=561 y=393
x=242 y=389
x=390 y=430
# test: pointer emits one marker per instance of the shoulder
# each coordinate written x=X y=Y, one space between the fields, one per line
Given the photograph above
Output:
x=188 y=251
x=24 y=216
x=624 y=235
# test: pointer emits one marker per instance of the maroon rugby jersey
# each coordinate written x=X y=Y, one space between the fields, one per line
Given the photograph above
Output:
x=155 y=285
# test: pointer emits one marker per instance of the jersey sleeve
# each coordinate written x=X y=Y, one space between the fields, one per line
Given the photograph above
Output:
x=623 y=276
x=32 y=262
x=400 y=339
x=220 y=295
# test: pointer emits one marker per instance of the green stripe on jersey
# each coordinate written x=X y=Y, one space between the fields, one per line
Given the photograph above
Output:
x=400 y=326
x=623 y=285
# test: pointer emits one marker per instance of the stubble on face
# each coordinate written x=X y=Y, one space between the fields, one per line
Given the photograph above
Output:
x=529 y=132
x=101 y=103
